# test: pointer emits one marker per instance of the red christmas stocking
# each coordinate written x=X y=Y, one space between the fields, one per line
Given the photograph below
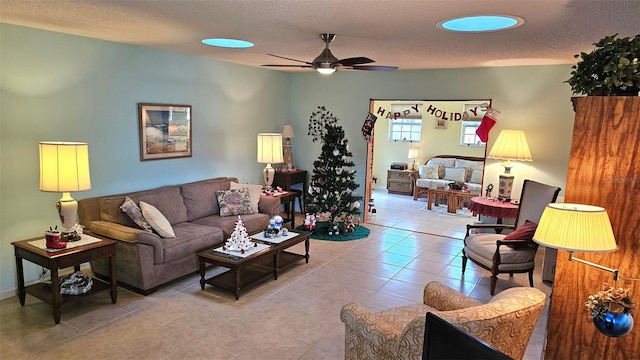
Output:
x=367 y=127
x=488 y=120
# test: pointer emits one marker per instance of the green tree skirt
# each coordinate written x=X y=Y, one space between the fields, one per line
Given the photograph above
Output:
x=321 y=232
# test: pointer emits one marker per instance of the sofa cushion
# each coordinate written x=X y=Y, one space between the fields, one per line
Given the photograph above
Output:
x=454 y=174
x=234 y=202
x=253 y=222
x=471 y=164
x=200 y=197
x=190 y=238
x=132 y=210
x=158 y=222
x=254 y=193
x=429 y=171
x=443 y=162
x=476 y=176
x=168 y=201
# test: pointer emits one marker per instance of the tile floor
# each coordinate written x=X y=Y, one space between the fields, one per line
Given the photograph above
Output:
x=294 y=317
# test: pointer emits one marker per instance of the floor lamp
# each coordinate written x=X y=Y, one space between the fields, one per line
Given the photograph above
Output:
x=64 y=167
x=269 y=152
x=510 y=145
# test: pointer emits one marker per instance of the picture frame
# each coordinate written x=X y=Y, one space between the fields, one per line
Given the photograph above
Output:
x=441 y=124
x=165 y=131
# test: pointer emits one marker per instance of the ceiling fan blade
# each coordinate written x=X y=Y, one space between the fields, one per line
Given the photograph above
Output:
x=355 y=61
x=289 y=66
x=286 y=58
x=374 y=68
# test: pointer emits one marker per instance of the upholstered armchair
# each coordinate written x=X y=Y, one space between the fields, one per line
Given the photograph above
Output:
x=506 y=322
x=514 y=252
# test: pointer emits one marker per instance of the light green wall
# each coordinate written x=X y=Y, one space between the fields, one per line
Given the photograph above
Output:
x=531 y=98
x=62 y=87
x=68 y=88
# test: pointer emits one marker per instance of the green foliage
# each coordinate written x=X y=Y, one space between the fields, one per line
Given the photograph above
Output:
x=332 y=185
x=612 y=68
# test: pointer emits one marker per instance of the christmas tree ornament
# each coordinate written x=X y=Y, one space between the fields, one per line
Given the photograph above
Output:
x=336 y=152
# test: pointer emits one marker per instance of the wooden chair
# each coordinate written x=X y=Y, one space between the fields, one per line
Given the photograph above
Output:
x=492 y=252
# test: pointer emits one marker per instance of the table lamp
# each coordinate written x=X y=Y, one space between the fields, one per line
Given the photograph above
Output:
x=287 y=133
x=578 y=227
x=510 y=145
x=269 y=152
x=413 y=155
x=64 y=167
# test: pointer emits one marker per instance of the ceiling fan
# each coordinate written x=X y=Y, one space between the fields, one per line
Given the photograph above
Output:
x=326 y=63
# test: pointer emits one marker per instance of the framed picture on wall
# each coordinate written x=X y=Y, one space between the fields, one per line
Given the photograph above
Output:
x=441 y=124
x=165 y=131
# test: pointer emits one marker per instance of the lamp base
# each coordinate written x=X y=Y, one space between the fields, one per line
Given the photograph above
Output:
x=504 y=188
x=67 y=210
x=268 y=173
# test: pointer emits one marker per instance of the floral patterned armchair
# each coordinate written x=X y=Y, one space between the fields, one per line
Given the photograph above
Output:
x=506 y=322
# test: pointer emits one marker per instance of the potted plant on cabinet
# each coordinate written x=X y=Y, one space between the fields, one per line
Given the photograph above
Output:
x=612 y=68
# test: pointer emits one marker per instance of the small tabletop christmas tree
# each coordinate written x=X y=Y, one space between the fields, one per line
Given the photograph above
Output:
x=239 y=240
x=332 y=183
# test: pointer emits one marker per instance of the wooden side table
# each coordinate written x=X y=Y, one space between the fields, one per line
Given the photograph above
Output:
x=399 y=182
x=286 y=179
x=71 y=256
x=288 y=199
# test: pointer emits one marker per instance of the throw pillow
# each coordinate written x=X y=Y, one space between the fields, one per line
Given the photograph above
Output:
x=132 y=210
x=476 y=177
x=254 y=193
x=523 y=232
x=158 y=222
x=454 y=174
x=234 y=202
x=428 y=171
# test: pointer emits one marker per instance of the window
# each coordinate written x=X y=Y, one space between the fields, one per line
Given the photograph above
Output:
x=405 y=130
x=468 y=135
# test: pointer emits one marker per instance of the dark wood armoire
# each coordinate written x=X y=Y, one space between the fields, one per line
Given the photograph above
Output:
x=604 y=170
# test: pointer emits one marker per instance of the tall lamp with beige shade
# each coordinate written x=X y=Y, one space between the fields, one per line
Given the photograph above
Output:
x=287 y=133
x=510 y=145
x=64 y=167
x=269 y=152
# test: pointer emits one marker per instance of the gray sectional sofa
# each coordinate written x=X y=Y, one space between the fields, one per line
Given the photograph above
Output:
x=144 y=260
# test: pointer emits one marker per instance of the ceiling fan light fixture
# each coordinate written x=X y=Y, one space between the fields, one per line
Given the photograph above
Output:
x=480 y=23
x=326 y=68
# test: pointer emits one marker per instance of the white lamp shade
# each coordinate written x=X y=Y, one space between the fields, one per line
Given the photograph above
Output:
x=270 y=148
x=287 y=132
x=575 y=227
x=64 y=166
x=511 y=145
x=413 y=153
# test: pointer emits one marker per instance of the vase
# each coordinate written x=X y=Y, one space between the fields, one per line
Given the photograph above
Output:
x=614 y=324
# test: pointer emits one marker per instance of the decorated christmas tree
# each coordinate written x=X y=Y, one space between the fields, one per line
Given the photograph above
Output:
x=239 y=240
x=332 y=187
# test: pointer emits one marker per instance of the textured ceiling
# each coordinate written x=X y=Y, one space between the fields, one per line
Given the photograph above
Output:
x=392 y=32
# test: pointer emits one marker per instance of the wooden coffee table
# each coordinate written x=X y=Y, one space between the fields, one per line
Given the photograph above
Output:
x=454 y=198
x=245 y=271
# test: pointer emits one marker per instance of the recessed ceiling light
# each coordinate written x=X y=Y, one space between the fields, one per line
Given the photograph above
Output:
x=227 y=43
x=481 y=23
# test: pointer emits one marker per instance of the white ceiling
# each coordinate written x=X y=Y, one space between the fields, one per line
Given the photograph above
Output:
x=399 y=33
